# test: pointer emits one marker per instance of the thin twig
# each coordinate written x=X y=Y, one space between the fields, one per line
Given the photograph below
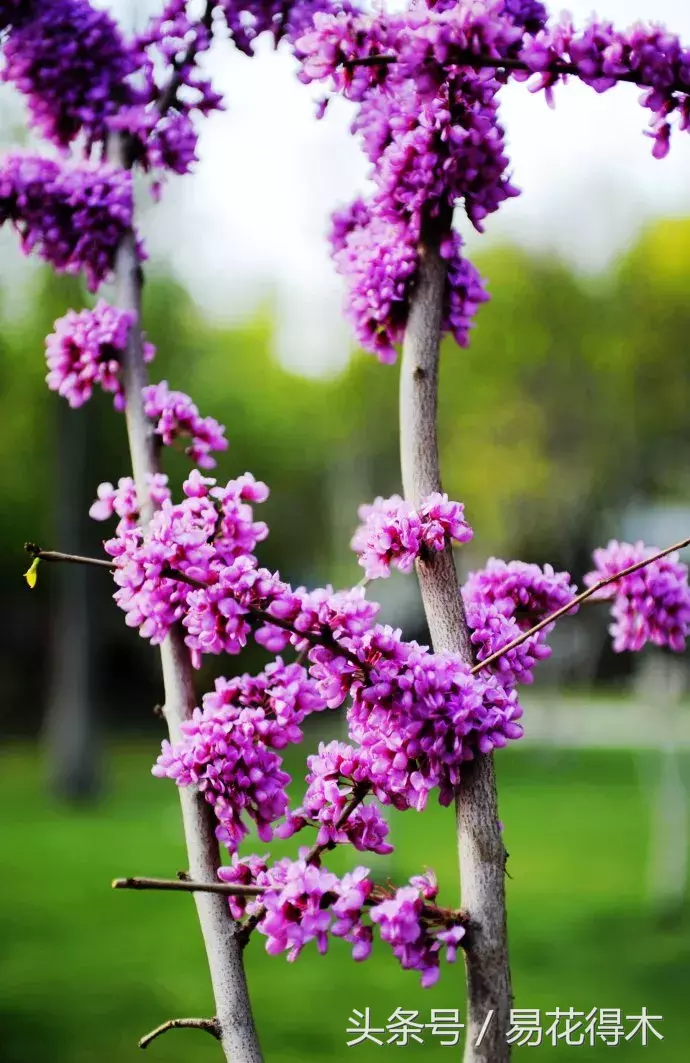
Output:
x=569 y=606
x=55 y=555
x=186 y=885
x=433 y=912
x=209 y=1025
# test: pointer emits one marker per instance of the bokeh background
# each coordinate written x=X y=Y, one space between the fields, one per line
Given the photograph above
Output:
x=565 y=423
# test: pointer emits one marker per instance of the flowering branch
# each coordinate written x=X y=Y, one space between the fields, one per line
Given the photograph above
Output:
x=556 y=68
x=481 y=852
x=323 y=638
x=578 y=600
x=313 y=855
x=237 y=1032
x=209 y=1025
x=169 y=94
x=450 y=916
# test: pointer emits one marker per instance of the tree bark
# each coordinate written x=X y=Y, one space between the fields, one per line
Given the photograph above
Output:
x=237 y=1033
x=480 y=847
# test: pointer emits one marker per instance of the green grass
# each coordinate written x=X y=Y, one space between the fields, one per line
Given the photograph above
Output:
x=85 y=971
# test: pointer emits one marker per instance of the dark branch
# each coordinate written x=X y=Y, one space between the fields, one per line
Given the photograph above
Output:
x=209 y=1025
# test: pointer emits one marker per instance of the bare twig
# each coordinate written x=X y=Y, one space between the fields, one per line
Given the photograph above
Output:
x=583 y=597
x=187 y=885
x=480 y=846
x=209 y=1025
x=55 y=555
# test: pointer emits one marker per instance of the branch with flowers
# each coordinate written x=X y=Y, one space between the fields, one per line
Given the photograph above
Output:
x=422 y=722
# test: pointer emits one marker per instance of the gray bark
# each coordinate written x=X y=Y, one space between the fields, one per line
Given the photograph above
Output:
x=238 y=1035
x=480 y=846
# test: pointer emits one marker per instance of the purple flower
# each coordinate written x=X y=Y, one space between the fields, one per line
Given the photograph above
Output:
x=73 y=65
x=650 y=605
x=418 y=716
x=175 y=416
x=299 y=912
x=378 y=256
x=505 y=599
x=227 y=748
x=393 y=533
x=74 y=217
x=202 y=538
x=85 y=349
x=332 y=774
x=407 y=927
x=122 y=501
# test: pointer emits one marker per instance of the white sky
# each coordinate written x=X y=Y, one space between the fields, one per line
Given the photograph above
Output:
x=253 y=218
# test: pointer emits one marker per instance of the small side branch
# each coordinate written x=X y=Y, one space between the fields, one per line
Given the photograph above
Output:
x=73 y=559
x=186 y=885
x=209 y=1025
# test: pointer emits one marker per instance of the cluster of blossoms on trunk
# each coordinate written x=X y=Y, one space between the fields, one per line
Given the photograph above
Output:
x=425 y=85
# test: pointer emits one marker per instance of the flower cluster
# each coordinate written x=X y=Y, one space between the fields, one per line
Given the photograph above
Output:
x=175 y=415
x=505 y=599
x=160 y=122
x=228 y=748
x=394 y=533
x=303 y=902
x=329 y=802
x=427 y=83
x=217 y=617
x=74 y=217
x=122 y=501
x=402 y=923
x=650 y=605
x=283 y=19
x=86 y=349
x=72 y=63
x=210 y=528
x=602 y=56
x=378 y=257
x=419 y=716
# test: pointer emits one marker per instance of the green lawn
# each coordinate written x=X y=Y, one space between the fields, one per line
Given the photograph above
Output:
x=85 y=971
